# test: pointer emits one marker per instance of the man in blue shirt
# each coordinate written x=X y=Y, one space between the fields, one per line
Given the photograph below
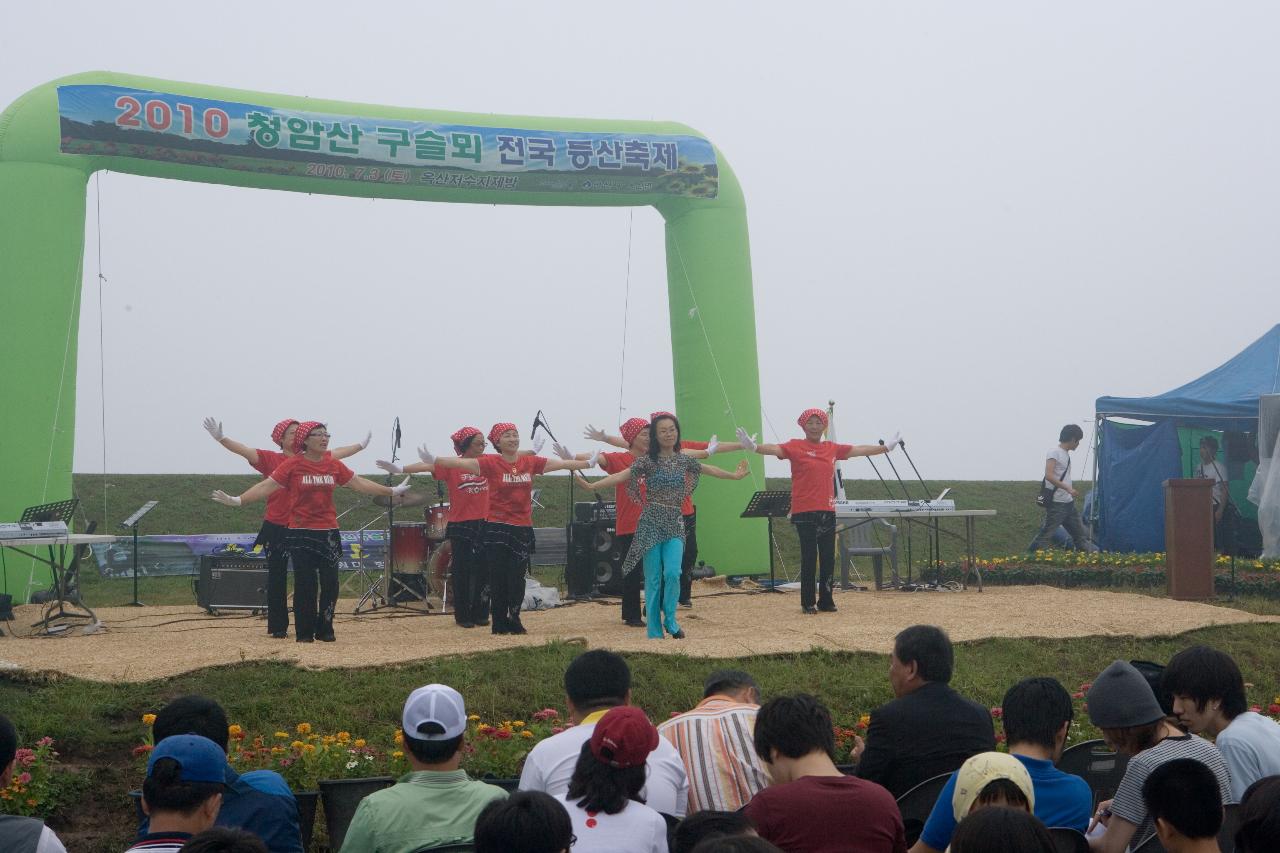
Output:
x=1037 y=713
x=259 y=802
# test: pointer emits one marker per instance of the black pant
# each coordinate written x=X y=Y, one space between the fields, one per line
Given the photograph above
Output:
x=631 y=583
x=507 y=552
x=469 y=569
x=817 y=532
x=272 y=539
x=690 y=554
x=315 y=568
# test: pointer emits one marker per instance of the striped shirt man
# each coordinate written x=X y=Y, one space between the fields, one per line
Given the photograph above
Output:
x=715 y=742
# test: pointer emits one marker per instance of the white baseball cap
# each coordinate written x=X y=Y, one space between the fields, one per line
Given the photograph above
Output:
x=434 y=703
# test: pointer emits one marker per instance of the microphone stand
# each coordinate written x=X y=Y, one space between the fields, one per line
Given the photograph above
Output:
x=935 y=526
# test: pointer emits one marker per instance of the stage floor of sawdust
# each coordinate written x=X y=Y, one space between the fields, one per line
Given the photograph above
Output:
x=142 y=644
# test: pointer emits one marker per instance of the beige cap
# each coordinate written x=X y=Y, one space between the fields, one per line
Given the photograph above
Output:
x=983 y=768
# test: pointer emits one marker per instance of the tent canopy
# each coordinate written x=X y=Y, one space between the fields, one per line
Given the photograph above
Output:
x=1225 y=398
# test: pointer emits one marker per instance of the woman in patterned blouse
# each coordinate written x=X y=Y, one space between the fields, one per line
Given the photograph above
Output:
x=669 y=476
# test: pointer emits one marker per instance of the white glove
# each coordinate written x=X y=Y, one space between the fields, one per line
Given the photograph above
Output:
x=214 y=428
x=425 y=455
x=594 y=459
x=748 y=442
x=224 y=498
x=539 y=443
x=594 y=434
x=368 y=437
x=713 y=444
x=400 y=489
x=893 y=442
x=389 y=467
x=561 y=451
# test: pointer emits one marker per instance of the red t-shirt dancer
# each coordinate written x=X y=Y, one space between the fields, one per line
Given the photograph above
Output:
x=508 y=528
x=310 y=475
x=275 y=523
x=813 y=471
x=636 y=433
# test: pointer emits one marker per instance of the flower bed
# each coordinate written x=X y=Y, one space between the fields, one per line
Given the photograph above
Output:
x=1114 y=570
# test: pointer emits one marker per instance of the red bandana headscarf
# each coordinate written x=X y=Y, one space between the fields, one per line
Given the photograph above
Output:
x=632 y=428
x=808 y=413
x=655 y=415
x=461 y=437
x=498 y=429
x=277 y=434
x=304 y=430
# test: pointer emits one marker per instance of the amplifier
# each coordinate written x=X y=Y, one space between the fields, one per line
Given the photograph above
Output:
x=591 y=512
x=594 y=561
x=232 y=583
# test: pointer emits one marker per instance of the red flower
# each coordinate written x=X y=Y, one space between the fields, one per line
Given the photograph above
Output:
x=502 y=734
x=1086 y=686
x=141 y=750
x=997 y=713
x=1079 y=695
x=1257 y=709
x=1273 y=709
x=1000 y=738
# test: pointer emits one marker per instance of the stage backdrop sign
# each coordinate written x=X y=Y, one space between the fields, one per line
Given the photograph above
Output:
x=121 y=121
x=180 y=555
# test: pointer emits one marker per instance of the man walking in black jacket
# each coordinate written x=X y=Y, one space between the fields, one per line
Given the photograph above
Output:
x=929 y=728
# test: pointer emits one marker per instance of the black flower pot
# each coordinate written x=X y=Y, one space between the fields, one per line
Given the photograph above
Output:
x=307 y=803
x=341 y=796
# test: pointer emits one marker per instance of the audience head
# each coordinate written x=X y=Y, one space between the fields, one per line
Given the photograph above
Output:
x=192 y=715
x=434 y=722
x=792 y=727
x=1037 y=712
x=1204 y=683
x=1070 y=433
x=1001 y=831
x=597 y=679
x=525 y=822
x=921 y=653
x=8 y=749
x=1260 y=817
x=734 y=683
x=1122 y=705
x=1184 y=800
x=992 y=779
x=737 y=844
x=185 y=781
x=704 y=825
x=222 y=839
x=611 y=767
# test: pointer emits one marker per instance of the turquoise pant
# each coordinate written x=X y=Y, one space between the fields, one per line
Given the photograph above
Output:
x=662 y=581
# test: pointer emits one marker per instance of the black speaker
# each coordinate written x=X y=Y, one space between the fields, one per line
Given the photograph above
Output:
x=578 y=565
x=595 y=561
x=232 y=583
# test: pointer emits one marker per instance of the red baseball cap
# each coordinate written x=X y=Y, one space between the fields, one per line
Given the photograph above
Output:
x=623 y=738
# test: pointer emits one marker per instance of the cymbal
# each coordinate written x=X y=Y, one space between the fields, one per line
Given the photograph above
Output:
x=408 y=499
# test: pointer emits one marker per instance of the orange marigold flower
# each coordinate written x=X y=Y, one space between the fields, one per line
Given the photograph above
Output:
x=148 y=719
x=304 y=728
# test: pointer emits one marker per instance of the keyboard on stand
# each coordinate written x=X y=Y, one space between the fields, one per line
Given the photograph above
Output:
x=33 y=529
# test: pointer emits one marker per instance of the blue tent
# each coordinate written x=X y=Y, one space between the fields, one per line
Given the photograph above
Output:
x=1134 y=461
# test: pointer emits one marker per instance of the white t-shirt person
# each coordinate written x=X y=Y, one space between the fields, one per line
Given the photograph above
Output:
x=1213 y=471
x=1250 y=745
x=635 y=829
x=1062 y=472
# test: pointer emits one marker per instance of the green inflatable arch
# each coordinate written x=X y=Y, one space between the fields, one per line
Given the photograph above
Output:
x=57 y=135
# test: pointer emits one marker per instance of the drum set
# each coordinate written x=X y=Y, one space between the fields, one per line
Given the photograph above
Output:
x=418 y=570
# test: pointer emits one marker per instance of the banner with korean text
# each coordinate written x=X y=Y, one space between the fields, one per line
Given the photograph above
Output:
x=121 y=121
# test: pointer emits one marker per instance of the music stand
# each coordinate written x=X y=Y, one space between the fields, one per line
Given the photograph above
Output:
x=769 y=505
x=131 y=523
x=56 y=511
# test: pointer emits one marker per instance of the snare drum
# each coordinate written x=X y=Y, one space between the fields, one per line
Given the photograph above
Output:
x=410 y=546
x=437 y=520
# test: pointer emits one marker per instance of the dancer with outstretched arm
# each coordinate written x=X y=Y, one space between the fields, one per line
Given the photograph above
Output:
x=813 y=471
x=275 y=522
x=688 y=512
x=669 y=476
x=509 y=525
x=310 y=476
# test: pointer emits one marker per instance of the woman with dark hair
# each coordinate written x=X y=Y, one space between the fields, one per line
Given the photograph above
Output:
x=813 y=469
x=1002 y=831
x=508 y=529
x=604 y=800
x=1259 y=817
x=669 y=476
x=275 y=523
x=310 y=477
